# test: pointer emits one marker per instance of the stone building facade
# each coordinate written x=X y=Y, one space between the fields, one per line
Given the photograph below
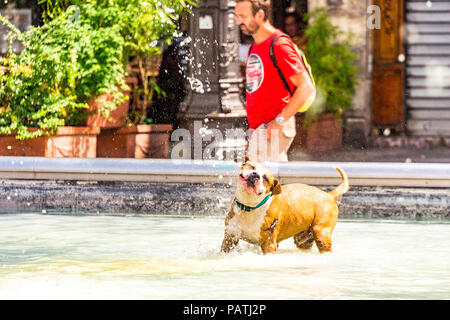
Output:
x=404 y=60
x=351 y=15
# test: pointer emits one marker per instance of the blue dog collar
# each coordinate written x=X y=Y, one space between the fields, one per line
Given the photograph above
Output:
x=248 y=208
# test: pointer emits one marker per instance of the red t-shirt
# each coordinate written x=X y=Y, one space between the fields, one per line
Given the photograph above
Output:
x=266 y=95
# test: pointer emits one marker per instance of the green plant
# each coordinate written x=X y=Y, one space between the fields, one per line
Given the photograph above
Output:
x=78 y=54
x=65 y=63
x=53 y=8
x=148 y=26
x=333 y=65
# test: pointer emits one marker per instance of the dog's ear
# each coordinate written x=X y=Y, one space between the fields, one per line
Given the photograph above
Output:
x=276 y=187
x=246 y=158
x=238 y=159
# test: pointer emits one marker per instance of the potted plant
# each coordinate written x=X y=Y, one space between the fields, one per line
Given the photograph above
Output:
x=105 y=112
x=33 y=106
x=64 y=64
x=333 y=66
x=100 y=16
x=147 y=27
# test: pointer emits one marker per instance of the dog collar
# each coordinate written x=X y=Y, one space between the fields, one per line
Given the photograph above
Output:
x=248 y=208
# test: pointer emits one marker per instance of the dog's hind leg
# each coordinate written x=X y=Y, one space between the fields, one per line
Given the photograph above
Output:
x=304 y=239
x=323 y=226
x=322 y=236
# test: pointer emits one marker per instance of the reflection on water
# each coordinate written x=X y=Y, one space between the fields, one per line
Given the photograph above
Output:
x=104 y=257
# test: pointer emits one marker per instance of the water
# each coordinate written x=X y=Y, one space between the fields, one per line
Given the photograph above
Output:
x=162 y=257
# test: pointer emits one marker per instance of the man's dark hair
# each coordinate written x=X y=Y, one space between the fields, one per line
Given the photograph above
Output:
x=257 y=5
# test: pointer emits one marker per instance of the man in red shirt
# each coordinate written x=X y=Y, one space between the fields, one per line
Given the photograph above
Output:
x=270 y=107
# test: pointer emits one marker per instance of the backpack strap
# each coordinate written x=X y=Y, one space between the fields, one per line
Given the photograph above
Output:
x=250 y=49
x=310 y=101
x=275 y=63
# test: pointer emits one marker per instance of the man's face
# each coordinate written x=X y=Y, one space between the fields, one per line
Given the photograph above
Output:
x=245 y=18
x=291 y=26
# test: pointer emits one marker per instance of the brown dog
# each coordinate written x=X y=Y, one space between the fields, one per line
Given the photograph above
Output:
x=265 y=213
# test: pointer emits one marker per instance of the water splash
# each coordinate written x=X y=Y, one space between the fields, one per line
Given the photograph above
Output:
x=175 y=257
x=196 y=85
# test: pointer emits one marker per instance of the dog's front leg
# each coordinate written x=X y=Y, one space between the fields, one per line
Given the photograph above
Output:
x=231 y=239
x=229 y=242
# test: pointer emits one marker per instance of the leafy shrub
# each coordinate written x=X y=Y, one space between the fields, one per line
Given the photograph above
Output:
x=333 y=65
x=146 y=27
x=65 y=64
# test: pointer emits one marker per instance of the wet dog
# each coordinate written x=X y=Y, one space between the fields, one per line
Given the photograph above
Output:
x=265 y=213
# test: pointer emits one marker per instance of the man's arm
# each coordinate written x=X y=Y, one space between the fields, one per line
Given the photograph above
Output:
x=304 y=91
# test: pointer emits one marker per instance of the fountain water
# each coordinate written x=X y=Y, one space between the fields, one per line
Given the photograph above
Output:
x=215 y=82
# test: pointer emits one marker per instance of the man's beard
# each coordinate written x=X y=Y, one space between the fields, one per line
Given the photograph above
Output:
x=247 y=31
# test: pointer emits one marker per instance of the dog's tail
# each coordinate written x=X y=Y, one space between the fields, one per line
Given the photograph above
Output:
x=343 y=187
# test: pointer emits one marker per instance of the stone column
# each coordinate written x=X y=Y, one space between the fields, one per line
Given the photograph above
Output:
x=214 y=103
x=351 y=15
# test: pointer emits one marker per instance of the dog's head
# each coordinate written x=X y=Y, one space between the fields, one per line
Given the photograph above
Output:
x=255 y=182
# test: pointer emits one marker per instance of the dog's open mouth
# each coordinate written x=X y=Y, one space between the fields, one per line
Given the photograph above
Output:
x=250 y=184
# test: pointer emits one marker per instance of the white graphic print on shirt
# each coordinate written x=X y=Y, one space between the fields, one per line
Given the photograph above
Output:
x=254 y=73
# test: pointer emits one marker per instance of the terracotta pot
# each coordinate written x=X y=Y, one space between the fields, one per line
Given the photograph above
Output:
x=80 y=142
x=322 y=134
x=141 y=141
x=117 y=116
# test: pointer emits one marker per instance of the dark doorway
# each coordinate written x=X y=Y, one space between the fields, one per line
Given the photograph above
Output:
x=281 y=8
x=24 y=4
